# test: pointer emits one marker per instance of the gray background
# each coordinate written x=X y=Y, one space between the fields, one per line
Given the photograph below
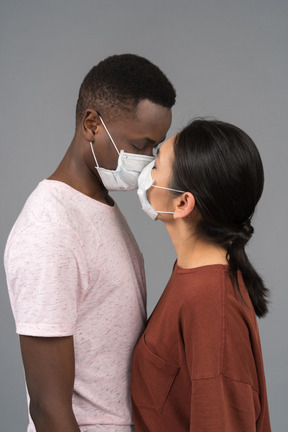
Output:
x=227 y=59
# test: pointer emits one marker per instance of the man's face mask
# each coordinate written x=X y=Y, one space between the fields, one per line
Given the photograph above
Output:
x=145 y=181
x=129 y=167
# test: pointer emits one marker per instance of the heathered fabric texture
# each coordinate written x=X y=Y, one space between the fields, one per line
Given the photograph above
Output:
x=73 y=268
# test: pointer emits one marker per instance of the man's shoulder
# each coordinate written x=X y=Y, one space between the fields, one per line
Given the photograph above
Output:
x=46 y=212
x=56 y=213
x=54 y=202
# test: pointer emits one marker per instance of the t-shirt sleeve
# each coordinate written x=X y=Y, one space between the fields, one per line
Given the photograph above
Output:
x=47 y=277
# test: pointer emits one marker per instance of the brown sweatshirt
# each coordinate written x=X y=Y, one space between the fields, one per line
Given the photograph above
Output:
x=198 y=367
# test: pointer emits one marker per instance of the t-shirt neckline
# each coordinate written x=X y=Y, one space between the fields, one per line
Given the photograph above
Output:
x=80 y=194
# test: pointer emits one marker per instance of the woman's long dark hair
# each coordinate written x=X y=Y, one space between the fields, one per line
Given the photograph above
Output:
x=221 y=166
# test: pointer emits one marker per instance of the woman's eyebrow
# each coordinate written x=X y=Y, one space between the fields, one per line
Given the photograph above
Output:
x=158 y=153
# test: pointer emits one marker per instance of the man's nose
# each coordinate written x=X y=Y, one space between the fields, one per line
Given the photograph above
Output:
x=148 y=151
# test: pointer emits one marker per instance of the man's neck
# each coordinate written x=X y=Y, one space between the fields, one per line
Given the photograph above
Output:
x=75 y=173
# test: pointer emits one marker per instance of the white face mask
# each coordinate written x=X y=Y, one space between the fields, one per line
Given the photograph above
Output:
x=145 y=181
x=129 y=167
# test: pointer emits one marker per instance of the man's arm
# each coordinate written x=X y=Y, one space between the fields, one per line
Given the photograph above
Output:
x=50 y=371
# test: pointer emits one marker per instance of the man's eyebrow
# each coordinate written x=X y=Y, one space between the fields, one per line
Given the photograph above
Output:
x=143 y=141
x=151 y=141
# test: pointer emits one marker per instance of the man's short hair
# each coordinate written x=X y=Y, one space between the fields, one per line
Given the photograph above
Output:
x=120 y=82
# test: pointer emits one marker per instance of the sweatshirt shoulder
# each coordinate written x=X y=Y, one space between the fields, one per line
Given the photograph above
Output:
x=201 y=287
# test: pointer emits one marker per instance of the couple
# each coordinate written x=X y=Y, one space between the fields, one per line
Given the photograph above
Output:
x=76 y=276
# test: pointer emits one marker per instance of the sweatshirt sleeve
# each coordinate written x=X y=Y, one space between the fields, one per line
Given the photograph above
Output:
x=220 y=401
x=221 y=404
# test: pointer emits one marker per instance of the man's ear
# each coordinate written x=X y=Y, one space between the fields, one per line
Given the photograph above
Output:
x=185 y=205
x=90 y=124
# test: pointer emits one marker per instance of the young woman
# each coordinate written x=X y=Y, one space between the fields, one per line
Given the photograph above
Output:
x=198 y=366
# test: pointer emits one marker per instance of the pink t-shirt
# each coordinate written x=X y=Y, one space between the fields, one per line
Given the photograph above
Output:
x=74 y=268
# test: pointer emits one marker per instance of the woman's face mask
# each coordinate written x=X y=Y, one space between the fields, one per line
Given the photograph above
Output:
x=145 y=181
x=129 y=167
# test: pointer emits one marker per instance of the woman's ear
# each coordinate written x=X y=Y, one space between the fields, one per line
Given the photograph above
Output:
x=90 y=124
x=185 y=205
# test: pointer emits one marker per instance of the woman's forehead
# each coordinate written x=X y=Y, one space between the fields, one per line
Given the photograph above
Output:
x=165 y=151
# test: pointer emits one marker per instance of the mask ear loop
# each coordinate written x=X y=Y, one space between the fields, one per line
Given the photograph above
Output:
x=162 y=187
x=174 y=190
x=108 y=134
x=91 y=144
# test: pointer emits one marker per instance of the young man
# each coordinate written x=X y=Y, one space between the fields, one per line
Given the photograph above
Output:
x=75 y=274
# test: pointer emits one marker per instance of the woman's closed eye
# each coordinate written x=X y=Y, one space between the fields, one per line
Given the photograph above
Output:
x=154 y=165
